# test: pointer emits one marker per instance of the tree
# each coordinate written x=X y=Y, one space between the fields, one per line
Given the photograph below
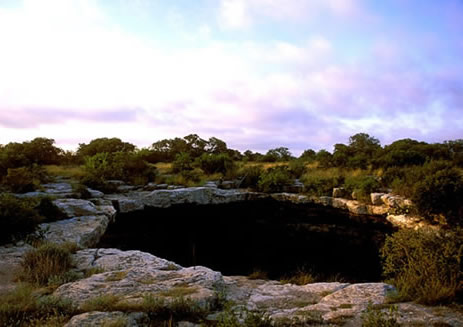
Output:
x=104 y=145
x=42 y=151
x=324 y=158
x=215 y=145
x=308 y=155
x=277 y=154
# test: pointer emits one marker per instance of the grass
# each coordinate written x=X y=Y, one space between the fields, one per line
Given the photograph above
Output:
x=26 y=306
x=163 y=167
x=116 y=276
x=179 y=291
x=258 y=274
x=374 y=317
x=300 y=277
x=158 y=309
x=74 y=172
x=45 y=262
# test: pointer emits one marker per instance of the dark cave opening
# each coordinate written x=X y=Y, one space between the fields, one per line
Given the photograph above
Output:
x=264 y=235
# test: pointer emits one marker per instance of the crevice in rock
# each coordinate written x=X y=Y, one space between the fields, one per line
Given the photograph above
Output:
x=266 y=235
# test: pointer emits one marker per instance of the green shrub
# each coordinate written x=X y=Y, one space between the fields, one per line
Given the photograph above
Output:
x=440 y=193
x=216 y=163
x=17 y=218
x=45 y=262
x=274 y=179
x=182 y=162
x=363 y=186
x=129 y=167
x=297 y=168
x=424 y=265
x=321 y=185
x=374 y=317
x=20 y=180
x=250 y=176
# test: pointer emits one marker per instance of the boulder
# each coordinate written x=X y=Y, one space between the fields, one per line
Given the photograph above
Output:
x=376 y=199
x=10 y=265
x=133 y=281
x=95 y=194
x=85 y=231
x=76 y=207
x=61 y=189
x=197 y=195
x=340 y=192
x=102 y=319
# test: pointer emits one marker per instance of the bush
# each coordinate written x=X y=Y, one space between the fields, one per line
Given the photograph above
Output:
x=440 y=193
x=19 y=180
x=274 y=179
x=363 y=186
x=182 y=162
x=45 y=262
x=17 y=218
x=129 y=167
x=297 y=168
x=216 y=163
x=250 y=176
x=424 y=265
x=321 y=185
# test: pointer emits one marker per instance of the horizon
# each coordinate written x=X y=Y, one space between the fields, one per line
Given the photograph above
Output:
x=257 y=74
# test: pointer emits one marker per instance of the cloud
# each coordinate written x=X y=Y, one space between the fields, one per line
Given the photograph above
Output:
x=239 y=14
x=35 y=117
x=69 y=73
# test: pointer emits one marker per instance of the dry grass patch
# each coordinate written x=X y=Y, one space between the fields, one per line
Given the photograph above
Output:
x=74 y=172
x=179 y=291
x=46 y=261
x=116 y=276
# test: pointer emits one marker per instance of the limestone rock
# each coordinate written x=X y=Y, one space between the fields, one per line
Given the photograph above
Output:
x=58 y=189
x=395 y=201
x=85 y=231
x=114 y=259
x=339 y=192
x=131 y=285
x=376 y=198
x=10 y=265
x=95 y=194
x=76 y=207
x=197 y=195
x=101 y=319
x=130 y=275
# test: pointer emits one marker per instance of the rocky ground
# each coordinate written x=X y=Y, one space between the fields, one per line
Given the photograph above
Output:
x=128 y=277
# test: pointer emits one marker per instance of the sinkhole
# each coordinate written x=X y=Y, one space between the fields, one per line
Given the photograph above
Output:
x=266 y=235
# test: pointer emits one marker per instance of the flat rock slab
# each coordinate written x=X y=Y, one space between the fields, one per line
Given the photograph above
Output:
x=137 y=278
x=10 y=265
x=196 y=195
x=85 y=231
x=102 y=319
x=76 y=207
x=115 y=259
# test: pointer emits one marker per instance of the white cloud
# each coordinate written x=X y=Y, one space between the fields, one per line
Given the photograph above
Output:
x=234 y=14
x=239 y=14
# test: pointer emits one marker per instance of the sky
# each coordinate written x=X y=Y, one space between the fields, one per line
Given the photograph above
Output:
x=257 y=74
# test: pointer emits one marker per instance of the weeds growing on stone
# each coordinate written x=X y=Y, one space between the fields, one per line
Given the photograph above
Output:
x=24 y=306
x=45 y=262
x=374 y=317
